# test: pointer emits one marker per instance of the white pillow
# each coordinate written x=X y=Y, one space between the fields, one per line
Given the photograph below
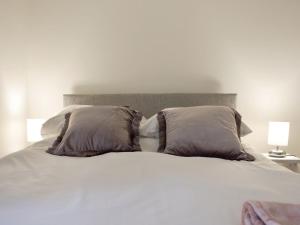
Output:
x=149 y=144
x=245 y=130
x=150 y=128
x=53 y=125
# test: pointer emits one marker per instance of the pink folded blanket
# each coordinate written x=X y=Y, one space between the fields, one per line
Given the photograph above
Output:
x=270 y=213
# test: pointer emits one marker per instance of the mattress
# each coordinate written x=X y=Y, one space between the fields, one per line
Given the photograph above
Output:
x=135 y=188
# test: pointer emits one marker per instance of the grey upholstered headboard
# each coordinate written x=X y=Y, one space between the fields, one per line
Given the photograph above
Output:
x=149 y=104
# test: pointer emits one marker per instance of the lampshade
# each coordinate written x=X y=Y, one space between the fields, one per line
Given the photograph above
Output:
x=34 y=129
x=278 y=133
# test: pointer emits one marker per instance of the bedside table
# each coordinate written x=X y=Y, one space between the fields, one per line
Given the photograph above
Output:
x=289 y=161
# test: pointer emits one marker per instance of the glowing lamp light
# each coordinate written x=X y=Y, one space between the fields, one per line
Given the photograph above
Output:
x=34 y=129
x=278 y=136
x=15 y=102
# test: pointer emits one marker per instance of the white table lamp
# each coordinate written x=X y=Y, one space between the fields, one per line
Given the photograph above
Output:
x=278 y=136
x=34 y=129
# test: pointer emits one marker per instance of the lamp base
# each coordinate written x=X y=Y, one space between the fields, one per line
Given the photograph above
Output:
x=277 y=153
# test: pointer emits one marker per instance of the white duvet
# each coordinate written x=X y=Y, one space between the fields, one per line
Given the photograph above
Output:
x=140 y=188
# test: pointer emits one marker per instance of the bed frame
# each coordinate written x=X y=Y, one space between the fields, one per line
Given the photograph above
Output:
x=149 y=104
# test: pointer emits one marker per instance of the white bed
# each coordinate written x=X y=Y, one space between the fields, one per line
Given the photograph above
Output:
x=137 y=188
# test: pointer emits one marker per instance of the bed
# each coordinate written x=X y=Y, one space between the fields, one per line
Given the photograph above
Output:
x=134 y=188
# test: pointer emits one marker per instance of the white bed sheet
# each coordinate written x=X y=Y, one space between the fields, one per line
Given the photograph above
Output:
x=140 y=188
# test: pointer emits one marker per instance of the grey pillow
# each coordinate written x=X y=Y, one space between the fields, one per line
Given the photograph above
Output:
x=149 y=127
x=97 y=130
x=209 y=131
x=53 y=126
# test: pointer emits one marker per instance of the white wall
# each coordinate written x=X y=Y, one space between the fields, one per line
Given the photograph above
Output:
x=13 y=41
x=250 y=47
